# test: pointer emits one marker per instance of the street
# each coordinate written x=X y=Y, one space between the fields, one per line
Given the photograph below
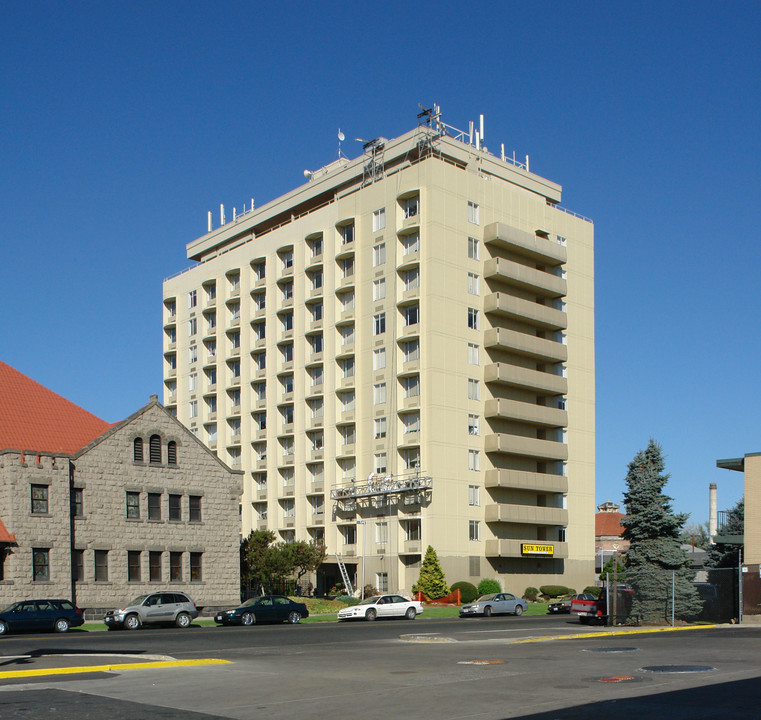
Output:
x=480 y=668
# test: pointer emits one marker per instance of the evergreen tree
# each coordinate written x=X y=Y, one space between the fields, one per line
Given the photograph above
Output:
x=619 y=572
x=654 y=554
x=432 y=582
x=722 y=555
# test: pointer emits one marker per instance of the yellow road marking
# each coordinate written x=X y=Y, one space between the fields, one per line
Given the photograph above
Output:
x=611 y=633
x=109 y=668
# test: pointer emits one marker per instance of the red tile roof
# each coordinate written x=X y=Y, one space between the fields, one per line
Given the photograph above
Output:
x=35 y=418
x=5 y=536
x=608 y=524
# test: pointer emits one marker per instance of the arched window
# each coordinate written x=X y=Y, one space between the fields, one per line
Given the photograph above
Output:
x=171 y=453
x=155 y=449
x=137 y=450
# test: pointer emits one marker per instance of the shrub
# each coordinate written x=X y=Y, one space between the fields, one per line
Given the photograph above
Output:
x=531 y=594
x=488 y=586
x=592 y=590
x=348 y=600
x=468 y=591
x=554 y=591
x=371 y=590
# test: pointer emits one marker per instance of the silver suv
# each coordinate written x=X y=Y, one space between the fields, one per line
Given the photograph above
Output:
x=158 y=607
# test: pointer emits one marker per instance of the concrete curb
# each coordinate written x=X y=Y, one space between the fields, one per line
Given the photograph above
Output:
x=612 y=633
x=113 y=667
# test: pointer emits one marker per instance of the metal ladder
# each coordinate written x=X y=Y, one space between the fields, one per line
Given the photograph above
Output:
x=345 y=575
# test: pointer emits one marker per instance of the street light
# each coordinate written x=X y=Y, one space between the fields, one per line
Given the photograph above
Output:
x=364 y=536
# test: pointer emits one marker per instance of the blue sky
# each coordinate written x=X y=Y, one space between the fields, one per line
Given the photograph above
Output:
x=122 y=124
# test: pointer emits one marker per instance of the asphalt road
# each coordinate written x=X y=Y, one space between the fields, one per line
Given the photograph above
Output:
x=491 y=668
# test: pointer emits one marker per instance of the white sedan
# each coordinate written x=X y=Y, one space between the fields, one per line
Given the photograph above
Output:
x=380 y=606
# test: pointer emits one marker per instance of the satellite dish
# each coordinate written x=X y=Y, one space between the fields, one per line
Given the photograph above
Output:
x=307 y=174
x=341 y=136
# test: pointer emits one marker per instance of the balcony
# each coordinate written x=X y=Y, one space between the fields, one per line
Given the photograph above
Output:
x=525 y=243
x=527 y=278
x=526 y=514
x=541 y=383
x=317 y=454
x=525 y=344
x=525 y=311
x=514 y=548
x=318 y=518
x=347 y=281
x=410 y=331
x=345 y=351
x=529 y=413
x=411 y=547
x=317 y=488
x=525 y=446
x=525 y=480
x=261 y=494
x=316 y=422
x=287 y=459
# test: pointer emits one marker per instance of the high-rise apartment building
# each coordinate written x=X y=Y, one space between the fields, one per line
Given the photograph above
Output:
x=400 y=353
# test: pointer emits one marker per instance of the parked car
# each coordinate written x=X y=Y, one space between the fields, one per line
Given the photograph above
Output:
x=158 y=607
x=495 y=604
x=58 y=615
x=380 y=606
x=563 y=605
x=266 y=608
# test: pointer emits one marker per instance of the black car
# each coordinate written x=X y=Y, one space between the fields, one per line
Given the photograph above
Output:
x=58 y=615
x=564 y=604
x=266 y=608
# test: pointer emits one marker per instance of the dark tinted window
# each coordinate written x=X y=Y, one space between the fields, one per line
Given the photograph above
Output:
x=65 y=605
x=137 y=450
x=155 y=450
x=171 y=453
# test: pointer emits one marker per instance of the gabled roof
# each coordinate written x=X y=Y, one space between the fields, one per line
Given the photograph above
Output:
x=5 y=536
x=608 y=524
x=33 y=418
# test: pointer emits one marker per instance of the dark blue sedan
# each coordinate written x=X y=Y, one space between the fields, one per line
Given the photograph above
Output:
x=58 y=615
x=267 y=608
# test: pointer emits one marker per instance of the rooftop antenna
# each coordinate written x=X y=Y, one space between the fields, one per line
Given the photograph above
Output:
x=341 y=138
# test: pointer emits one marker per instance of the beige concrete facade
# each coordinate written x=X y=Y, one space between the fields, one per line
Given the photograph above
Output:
x=86 y=528
x=750 y=466
x=406 y=341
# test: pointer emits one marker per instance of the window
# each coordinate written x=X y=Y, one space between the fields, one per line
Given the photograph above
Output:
x=133 y=505
x=411 y=207
x=379 y=289
x=286 y=321
x=411 y=386
x=77 y=565
x=234 y=340
x=348 y=403
x=286 y=351
x=211 y=292
x=379 y=254
x=411 y=458
x=347 y=302
x=411 y=422
x=287 y=258
x=474 y=215
x=474 y=495
x=474 y=530
x=234 y=279
x=289 y=508
x=317 y=247
x=473 y=318
x=137 y=450
x=154 y=506
x=133 y=565
x=261 y=360
x=234 y=312
x=381 y=582
x=155 y=450
x=349 y=533
x=347 y=468
x=235 y=369
x=381 y=462
x=78 y=502
x=473 y=354
x=473 y=288
x=259 y=270
x=175 y=507
x=287 y=290
x=175 y=567
x=193 y=409
x=473 y=248
x=260 y=390
x=474 y=425
x=379 y=358
x=171 y=453
x=412 y=531
x=315 y=375
x=379 y=323
x=287 y=445
x=39 y=499
x=411 y=315
x=379 y=393
x=474 y=391
x=474 y=565
x=211 y=322
x=192 y=326
x=347 y=334
x=381 y=532
x=40 y=564
x=380 y=428
x=347 y=267
x=101 y=565
x=194 y=508
x=347 y=234
x=212 y=349
x=379 y=219
x=474 y=460
x=348 y=434
x=411 y=351
x=211 y=432
x=196 y=559
x=211 y=404
x=192 y=379
x=287 y=413
x=410 y=244
x=347 y=367
x=411 y=279
x=192 y=299
x=260 y=420
x=316 y=310
x=154 y=566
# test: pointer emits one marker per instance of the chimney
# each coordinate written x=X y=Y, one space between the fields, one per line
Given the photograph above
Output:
x=712 y=512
